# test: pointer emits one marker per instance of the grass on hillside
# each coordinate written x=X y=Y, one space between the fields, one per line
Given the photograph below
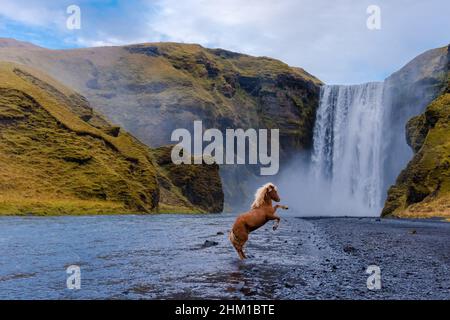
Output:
x=55 y=162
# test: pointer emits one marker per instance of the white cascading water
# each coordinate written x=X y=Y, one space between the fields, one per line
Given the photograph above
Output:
x=347 y=164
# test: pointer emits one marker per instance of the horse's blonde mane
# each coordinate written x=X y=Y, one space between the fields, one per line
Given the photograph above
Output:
x=260 y=195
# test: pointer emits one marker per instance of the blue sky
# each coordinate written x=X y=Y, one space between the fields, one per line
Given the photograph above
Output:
x=329 y=39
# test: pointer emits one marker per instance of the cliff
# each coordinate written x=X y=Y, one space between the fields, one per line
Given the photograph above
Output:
x=59 y=156
x=423 y=188
x=200 y=184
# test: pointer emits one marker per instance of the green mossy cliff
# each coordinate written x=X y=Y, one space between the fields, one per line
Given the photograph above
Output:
x=423 y=187
x=200 y=184
x=58 y=156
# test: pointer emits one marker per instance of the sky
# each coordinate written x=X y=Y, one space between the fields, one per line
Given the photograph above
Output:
x=329 y=39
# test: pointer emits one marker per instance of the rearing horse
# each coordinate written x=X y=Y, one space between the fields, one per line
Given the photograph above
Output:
x=260 y=212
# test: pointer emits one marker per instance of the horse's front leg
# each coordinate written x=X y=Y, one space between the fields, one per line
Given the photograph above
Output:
x=277 y=218
x=277 y=223
x=280 y=206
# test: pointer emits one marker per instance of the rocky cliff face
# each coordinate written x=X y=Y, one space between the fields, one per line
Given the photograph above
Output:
x=59 y=156
x=200 y=184
x=423 y=187
x=408 y=92
x=152 y=89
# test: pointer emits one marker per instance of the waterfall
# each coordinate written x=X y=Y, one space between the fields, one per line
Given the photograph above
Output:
x=359 y=148
x=359 y=141
x=347 y=162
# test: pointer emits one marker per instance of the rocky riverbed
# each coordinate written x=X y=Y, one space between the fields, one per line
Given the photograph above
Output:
x=185 y=256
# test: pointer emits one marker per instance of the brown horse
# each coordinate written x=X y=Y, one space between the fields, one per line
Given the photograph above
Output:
x=261 y=212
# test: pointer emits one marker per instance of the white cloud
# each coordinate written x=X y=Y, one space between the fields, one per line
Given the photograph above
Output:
x=34 y=13
x=105 y=41
x=327 y=38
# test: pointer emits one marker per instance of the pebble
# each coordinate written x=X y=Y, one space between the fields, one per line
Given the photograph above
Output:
x=209 y=243
x=349 y=249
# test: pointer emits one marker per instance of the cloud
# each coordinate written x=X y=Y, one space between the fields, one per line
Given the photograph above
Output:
x=34 y=13
x=327 y=38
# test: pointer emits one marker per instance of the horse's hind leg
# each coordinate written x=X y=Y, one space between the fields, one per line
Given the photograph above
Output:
x=242 y=254
x=240 y=251
x=238 y=244
x=238 y=248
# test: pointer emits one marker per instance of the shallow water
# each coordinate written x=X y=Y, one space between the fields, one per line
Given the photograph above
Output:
x=120 y=256
x=161 y=256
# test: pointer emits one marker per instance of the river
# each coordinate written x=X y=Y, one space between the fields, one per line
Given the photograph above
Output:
x=164 y=257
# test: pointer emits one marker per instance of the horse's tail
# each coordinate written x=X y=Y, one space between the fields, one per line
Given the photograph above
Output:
x=231 y=236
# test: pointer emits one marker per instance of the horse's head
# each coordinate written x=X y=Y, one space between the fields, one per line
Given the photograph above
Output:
x=272 y=193
x=264 y=194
